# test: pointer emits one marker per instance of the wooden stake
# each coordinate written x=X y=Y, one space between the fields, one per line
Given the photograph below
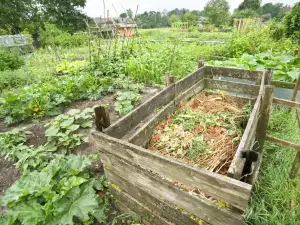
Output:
x=200 y=63
x=296 y=90
x=169 y=79
x=296 y=166
x=264 y=116
x=102 y=119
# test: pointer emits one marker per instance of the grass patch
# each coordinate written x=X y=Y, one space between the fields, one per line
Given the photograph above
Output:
x=271 y=199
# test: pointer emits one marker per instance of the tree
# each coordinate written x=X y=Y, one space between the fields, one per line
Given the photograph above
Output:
x=17 y=15
x=129 y=13
x=250 y=4
x=217 y=12
x=247 y=13
x=292 y=22
x=173 y=19
x=273 y=9
x=123 y=15
x=190 y=18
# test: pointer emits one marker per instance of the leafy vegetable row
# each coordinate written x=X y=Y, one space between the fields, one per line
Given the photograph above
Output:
x=56 y=187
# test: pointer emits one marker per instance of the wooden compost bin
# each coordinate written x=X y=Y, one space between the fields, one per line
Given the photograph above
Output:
x=141 y=180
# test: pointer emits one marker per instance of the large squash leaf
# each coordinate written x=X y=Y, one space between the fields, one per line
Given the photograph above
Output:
x=79 y=202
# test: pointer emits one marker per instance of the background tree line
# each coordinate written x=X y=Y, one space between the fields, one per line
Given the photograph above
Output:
x=217 y=13
x=32 y=15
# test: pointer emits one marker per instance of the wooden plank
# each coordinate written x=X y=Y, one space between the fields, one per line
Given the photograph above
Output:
x=237 y=165
x=228 y=190
x=185 y=83
x=251 y=75
x=157 y=206
x=230 y=86
x=287 y=103
x=168 y=192
x=125 y=202
x=283 y=142
x=125 y=124
x=283 y=84
x=264 y=116
x=192 y=91
x=143 y=134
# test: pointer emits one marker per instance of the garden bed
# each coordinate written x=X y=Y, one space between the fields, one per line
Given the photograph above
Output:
x=143 y=179
x=205 y=131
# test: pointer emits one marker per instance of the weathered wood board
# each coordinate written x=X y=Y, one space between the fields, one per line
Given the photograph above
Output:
x=234 y=73
x=161 y=189
x=157 y=206
x=225 y=189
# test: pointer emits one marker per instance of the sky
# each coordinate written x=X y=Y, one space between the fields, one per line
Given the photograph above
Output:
x=94 y=8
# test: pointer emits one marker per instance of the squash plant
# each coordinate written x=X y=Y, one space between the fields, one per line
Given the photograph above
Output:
x=286 y=67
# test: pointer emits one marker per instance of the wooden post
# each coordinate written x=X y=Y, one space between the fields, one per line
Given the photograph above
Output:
x=200 y=63
x=296 y=52
x=296 y=89
x=264 y=116
x=296 y=166
x=169 y=79
x=102 y=119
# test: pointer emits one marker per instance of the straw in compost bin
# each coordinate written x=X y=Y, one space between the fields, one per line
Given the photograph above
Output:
x=205 y=131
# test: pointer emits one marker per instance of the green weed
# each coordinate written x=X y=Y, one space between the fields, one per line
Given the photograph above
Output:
x=271 y=199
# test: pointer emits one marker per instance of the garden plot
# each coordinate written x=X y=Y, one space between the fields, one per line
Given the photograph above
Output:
x=205 y=131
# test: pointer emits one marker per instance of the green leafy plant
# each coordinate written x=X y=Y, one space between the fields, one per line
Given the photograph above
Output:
x=58 y=194
x=10 y=61
x=128 y=96
x=286 y=66
x=70 y=67
x=61 y=138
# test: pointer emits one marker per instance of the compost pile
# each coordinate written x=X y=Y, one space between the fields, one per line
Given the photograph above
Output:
x=205 y=131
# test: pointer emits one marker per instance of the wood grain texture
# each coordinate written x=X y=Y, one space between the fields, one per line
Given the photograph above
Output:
x=238 y=163
x=248 y=89
x=234 y=73
x=156 y=205
x=186 y=82
x=168 y=192
x=143 y=134
x=231 y=191
x=264 y=116
x=283 y=84
x=283 y=142
x=102 y=119
x=125 y=203
x=286 y=103
x=192 y=91
x=125 y=124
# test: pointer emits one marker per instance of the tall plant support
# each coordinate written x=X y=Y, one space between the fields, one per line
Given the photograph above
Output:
x=181 y=27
